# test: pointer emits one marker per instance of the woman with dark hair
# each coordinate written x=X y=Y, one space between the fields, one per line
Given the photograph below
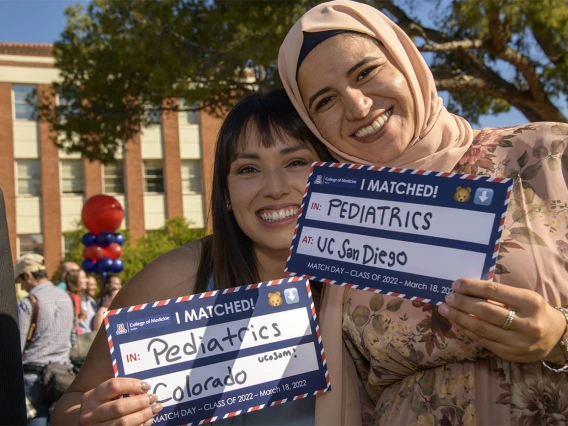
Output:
x=262 y=160
x=495 y=352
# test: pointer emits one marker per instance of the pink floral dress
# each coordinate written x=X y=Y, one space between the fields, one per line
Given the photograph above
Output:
x=415 y=366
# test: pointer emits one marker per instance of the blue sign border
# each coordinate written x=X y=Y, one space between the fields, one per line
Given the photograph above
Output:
x=346 y=178
x=316 y=381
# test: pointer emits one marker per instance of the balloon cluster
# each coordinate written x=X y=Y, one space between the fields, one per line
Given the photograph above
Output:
x=102 y=215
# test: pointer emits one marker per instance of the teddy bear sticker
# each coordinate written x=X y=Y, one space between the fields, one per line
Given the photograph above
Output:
x=462 y=194
x=274 y=299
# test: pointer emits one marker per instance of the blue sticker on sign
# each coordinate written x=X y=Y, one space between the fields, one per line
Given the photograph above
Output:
x=223 y=353
x=408 y=233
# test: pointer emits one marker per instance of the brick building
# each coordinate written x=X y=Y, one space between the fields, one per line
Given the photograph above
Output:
x=164 y=172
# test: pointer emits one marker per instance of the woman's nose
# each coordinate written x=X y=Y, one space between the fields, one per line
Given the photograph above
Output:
x=276 y=185
x=356 y=104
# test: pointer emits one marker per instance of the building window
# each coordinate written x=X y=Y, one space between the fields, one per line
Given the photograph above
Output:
x=29 y=178
x=24 y=111
x=31 y=243
x=68 y=241
x=192 y=117
x=154 y=115
x=153 y=176
x=113 y=177
x=72 y=177
x=191 y=177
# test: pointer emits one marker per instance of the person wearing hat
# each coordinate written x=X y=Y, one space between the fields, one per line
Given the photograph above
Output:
x=54 y=331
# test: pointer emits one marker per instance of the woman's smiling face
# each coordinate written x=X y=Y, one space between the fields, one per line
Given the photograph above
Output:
x=357 y=98
x=266 y=187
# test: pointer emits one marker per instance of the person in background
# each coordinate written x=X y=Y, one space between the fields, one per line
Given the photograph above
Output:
x=54 y=333
x=112 y=281
x=106 y=299
x=92 y=286
x=65 y=268
x=85 y=306
x=495 y=352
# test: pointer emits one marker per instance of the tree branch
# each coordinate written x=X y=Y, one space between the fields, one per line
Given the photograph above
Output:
x=451 y=46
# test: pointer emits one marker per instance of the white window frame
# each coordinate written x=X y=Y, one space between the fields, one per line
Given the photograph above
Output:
x=73 y=178
x=22 y=102
x=28 y=178
x=196 y=177
x=114 y=177
x=146 y=164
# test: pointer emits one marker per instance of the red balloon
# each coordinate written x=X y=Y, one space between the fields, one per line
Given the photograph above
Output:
x=93 y=252
x=114 y=251
x=102 y=213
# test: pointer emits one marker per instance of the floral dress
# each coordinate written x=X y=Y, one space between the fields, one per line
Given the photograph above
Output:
x=415 y=366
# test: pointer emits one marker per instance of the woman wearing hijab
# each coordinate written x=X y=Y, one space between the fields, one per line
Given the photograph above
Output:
x=494 y=353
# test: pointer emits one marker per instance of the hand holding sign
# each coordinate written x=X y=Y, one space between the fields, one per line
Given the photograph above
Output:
x=103 y=405
x=534 y=331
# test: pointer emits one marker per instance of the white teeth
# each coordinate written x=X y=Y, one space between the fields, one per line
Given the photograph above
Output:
x=374 y=127
x=279 y=214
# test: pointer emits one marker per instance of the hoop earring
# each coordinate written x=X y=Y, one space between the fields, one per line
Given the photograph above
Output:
x=229 y=207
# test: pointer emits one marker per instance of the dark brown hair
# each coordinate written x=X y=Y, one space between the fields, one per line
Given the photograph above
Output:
x=228 y=255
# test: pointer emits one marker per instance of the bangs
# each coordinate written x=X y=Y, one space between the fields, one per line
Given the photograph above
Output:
x=266 y=131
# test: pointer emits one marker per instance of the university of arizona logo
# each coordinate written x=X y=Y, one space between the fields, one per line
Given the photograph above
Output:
x=120 y=329
x=318 y=180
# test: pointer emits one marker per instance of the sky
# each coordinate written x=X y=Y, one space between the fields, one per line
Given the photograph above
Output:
x=42 y=21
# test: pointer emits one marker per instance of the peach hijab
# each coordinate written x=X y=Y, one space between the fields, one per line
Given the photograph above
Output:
x=440 y=138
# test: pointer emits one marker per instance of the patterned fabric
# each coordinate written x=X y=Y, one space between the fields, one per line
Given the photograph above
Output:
x=415 y=366
x=55 y=333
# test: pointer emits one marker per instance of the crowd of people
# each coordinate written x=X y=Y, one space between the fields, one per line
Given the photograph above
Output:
x=357 y=90
x=51 y=318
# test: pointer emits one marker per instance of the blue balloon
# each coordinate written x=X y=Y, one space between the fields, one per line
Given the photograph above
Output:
x=104 y=265
x=105 y=238
x=88 y=265
x=88 y=239
x=118 y=238
x=117 y=266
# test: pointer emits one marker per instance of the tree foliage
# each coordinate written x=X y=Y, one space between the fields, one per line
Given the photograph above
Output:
x=137 y=254
x=121 y=59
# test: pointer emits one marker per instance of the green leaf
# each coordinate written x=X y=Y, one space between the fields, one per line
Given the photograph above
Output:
x=380 y=324
x=560 y=129
x=360 y=315
x=377 y=302
x=394 y=304
x=531 y=172
x=557 y=146
x=523 y=159
x=553 y=163
x=500 y=269
x=526 y=236
x=539 y=152
x=564 y=161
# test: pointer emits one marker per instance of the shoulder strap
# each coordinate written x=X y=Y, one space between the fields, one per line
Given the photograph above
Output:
x=33 y=321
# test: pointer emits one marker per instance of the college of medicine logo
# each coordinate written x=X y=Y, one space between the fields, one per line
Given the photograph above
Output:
x=319 y=180
x=120 y=329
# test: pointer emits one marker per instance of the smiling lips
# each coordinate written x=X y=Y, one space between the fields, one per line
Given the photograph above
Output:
x=375 y=126
x=279 y=214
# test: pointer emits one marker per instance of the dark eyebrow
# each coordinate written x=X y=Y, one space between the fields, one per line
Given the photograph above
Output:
x=255 y=156
x=350 y=71
x=316 y=95
x=362 y=62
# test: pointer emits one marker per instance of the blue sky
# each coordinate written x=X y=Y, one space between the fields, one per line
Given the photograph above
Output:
x=42 y=21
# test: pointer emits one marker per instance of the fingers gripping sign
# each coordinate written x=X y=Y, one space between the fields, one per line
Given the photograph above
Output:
x=516 y=324
x=104 y=404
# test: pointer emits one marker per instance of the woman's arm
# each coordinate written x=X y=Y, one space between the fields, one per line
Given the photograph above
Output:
x=90 y=398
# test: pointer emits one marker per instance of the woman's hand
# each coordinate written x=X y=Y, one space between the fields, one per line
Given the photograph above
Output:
x=104 y=405
x=479 y=309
